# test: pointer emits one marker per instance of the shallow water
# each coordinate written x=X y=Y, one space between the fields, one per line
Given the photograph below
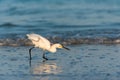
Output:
x=84 y=62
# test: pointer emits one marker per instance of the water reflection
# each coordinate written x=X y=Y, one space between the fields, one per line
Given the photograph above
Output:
x=47 y=68
x=46 y=71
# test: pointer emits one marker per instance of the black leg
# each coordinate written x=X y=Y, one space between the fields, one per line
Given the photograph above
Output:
x=44 y=57
x=30 y=52
x=30 y=63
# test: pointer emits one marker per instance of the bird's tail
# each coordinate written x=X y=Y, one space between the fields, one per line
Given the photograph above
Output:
x=33 y=37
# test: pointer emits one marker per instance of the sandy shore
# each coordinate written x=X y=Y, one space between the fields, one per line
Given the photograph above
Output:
x=82 y=62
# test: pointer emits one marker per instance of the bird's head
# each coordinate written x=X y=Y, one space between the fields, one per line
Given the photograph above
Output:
x=61 y=46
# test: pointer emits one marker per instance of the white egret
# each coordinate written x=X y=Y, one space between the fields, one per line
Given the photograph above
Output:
x=43 y=43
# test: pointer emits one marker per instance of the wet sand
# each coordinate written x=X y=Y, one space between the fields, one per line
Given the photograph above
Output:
x=82 y=62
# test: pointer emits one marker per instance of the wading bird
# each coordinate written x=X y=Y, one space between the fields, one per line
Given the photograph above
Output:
x=43 y=43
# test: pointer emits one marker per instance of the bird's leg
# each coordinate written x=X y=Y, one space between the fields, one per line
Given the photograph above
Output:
x=44 y=57
x=30 y=52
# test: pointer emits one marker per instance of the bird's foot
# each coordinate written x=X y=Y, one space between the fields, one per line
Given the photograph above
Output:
x=45 y=58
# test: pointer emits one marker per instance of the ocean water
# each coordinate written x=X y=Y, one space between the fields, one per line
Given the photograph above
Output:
x=69 y=22
x=64 y=21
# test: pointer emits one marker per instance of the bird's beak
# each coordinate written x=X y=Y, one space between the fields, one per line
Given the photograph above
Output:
x=66 y=48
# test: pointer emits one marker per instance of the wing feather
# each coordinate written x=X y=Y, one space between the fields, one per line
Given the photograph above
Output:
x=39 y=41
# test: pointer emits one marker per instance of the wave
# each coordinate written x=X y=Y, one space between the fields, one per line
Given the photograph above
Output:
x=8 y=24
x=68 y=41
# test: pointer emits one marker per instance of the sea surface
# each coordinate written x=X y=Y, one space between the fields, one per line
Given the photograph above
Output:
x=64 y=21
x=90 y=28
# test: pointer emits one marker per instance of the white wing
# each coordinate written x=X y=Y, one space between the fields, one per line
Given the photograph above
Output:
x=39 y=41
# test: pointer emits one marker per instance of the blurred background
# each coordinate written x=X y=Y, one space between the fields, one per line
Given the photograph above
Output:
x=69 y=21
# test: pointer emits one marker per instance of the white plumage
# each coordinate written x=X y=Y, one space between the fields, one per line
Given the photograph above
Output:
x=39 y=41
x=43 y=43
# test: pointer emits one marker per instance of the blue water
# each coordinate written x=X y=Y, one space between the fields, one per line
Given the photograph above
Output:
x=69 y=21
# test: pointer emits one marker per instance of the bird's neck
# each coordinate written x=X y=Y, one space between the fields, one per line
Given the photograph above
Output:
x=53 y=48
